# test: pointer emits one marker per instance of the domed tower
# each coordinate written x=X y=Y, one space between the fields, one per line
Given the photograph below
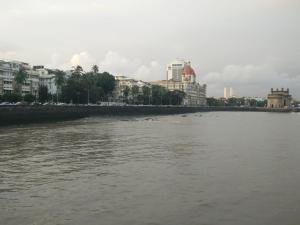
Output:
x=188 y=74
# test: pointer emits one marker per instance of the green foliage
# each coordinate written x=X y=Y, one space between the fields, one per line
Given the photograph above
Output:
x=146 y=97
x=126 y=91
x=175 y=97
x=161 y=96
x=146 y=91
x=20 y=77
x=59 y=77
x=262 y=103
x=44 y=96
x=95 y=69
x=92 y=87
x=12 y=97
x=135 y=93
x=215 y=102
x=29 y=98
x=235 y=102
x=158 y=93
x=106 y=81
x=78 y=71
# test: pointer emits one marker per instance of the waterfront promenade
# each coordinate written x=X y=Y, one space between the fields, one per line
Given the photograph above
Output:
x=10 y=115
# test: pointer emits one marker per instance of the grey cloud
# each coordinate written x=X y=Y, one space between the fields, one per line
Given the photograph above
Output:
x=212 y=34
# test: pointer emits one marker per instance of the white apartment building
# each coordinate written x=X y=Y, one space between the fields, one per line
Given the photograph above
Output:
x=7 y=82
x=6 y=77
x=46 y=79
x=37 y=76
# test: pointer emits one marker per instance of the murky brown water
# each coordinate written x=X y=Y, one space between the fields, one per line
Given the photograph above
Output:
x=206 y=168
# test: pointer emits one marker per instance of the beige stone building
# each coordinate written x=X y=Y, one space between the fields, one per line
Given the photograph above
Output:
x=195 y=94
x=279 y=98
x=123 y=82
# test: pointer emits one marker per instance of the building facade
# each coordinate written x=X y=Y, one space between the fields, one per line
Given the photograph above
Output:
x=123 y=82
x=228 y=92
x=195 y=94
x=175 y=70
x=7 y=78
x=36 y=76
x=279 y=98
x=46 y=79
x=7 y=70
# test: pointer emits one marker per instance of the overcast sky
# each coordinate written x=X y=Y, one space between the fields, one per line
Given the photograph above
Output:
x=249 y=45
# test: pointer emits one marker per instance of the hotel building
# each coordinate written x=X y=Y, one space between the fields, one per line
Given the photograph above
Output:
x=181 y=76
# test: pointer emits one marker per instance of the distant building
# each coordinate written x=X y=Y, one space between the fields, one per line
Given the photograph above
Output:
x=181 y=76
x=7 y=78
x=36 y=76
x=46 y=79
x=228 y=92
x=175 y=70
x=121 y=82
x=279 y=98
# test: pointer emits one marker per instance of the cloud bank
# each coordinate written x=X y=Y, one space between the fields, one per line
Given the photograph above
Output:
x=251 y=45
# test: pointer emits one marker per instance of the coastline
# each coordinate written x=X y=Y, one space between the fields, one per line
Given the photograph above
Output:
x=13 y=115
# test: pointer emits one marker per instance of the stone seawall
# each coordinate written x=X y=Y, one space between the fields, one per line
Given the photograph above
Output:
x=34 y=114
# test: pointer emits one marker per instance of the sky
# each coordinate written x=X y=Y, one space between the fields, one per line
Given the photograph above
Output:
x=249 y=45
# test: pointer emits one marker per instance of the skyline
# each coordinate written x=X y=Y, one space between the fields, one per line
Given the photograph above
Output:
x=251 y=46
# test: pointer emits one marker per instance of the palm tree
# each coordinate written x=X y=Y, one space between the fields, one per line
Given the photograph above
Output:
x=78 y=70
x=59 y=81
x=20 y=76
x=95 y=69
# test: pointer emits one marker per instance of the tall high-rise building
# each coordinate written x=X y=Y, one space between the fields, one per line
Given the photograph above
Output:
x=175 y=70
x=228 y=92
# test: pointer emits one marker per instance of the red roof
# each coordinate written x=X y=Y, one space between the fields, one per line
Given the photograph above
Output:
x=188 y=70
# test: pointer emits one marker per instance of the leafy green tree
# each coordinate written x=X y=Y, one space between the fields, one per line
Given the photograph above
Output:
x=253 y=103
x=146 y=95
x=126 y=91
x=12 y=97
x=176 y=97
x=215 y=102
x=262 y=103
x=87 y=87
x=233 y=102
x=20 y=76
x=158 y=95
x=29 y=98
x=78 y=71
x=59 y=81
x=44 y=96
x=106 y=81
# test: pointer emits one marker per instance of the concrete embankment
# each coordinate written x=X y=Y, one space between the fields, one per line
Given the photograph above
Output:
x=34 y=114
